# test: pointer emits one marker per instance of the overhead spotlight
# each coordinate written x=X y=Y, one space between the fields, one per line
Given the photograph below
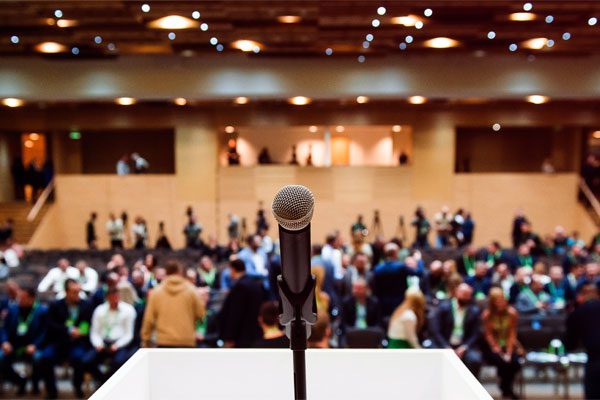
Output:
x=428 y=12
x=180 y=101
x=417 y=100
x=50 y=21
x=229 y=129
x=592 y=21
x=362 y=99
x=51 y=47
x=496 y=127
x=13 y=102
x=299 y=100
x=145 y=8
x=14 y=39
x=361 y=59
x=441 y=43
x=66 y=23
x=537 y=99
x=369 y=37
x=28 y=144
x=196 y=14
x=396 y=128
x=566 y=36
x=522 y=16
x=125 y=101
x=241 y=100
x=289 y=19
x=34 y=136
x=172 y=35
x=596 y=135
x=313 y=129
x=58 y=13
x=408 y=39
x=513 y=47
x=549 y=19
x=173 y=22
x=98 y=39
x=406 y=20
x=340 y=129
x=381 y=10
x=491 y=35
x=419 y=24
x=246 y=45
x=527 y=6
x=375 y=23
x=204 y=27
x=329 y=51
x=535 y=44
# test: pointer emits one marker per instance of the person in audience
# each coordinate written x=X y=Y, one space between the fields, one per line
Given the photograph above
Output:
x=332 y=253
x=88 y=277
x=583 y=329
x=322 y=299
x=11 y=288
x=465 y=264
x=357 y=269
x=123 y=165
x=208 y=275
x=140 y=165
x=238 y=319
x=68 y=328
x=233 y=227
x=266 y=242
x=358 y=226
x=192 y=231
x=503 y=278
x=360 y=310
x=54 y=281
x=591 y=276
x=467 y=229
x=139 y=285
x=443 y=227
x=435 y=282
x=532 y=299
x=390 y=280
x=422 y=228
x=518 y=221
x=115 y=227
x=572 y=257
x=172 y=310
x=111 y=333
x=162 y=241
x=261 y=218
x=273 y=337
x=407 y=321
x=522 y=280
x=320 y=332
x=254 y=257
x=456 y=324
x=559 y=289
x=492 y=254
x=480 y=282
x=264 y=157
x=23 y=340
x=574 y=275
x=139 y=233
x=90 y=232
x=328 y=283
x=108 y=281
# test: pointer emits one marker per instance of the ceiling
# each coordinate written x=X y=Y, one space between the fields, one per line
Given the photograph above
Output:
x=341 y=26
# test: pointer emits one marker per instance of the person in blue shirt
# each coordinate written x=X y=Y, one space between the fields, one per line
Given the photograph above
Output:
x=23 y=338
x=255 y=259
x=561 y=293
x=480 y=282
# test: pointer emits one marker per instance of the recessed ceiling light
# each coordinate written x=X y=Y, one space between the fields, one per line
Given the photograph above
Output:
x=125 y=101
x=381 y=10
x=396 y=128
x=289 y=19
x=51 y=47
x=50 y=21
x=66 y=23
x=592 y=21
x=441 y=43
x=428 y=12
x=14 y=39
x=299 y=100
x=313 y=129
x=406 y=20
x=522 y=16
x=180 y=101
x=34 y=136
x=596 y=134
x=204 y=27
x=417 y=100
x=566 y=36
x=196 y=14
x=241 y=100
x=496 y=127
x=229 y=129
x=28 y=144
x=246 y=45
x=340 y=128
x=527 y=6
x=145 y=8
x=329 y=51
x=13 y=102
x=362 y=99
x=535 y=44
x=537 y=99
x=58 y=13
x=491 y=35
x=173 y=22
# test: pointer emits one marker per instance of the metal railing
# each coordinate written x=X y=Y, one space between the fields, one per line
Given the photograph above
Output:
x=41 y=201
x=594 y=204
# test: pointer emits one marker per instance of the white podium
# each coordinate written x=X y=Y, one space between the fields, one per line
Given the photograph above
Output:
x=171 y=374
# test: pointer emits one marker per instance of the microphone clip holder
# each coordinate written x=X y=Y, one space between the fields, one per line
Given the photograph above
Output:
x=298 y=311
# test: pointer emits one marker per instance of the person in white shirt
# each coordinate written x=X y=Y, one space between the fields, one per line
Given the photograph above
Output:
x=332 y=252
x=54 y=281
x=139 y=233
x=140 y=163
x=111 y=333
x=115 y=231
x=406 y=321
x=88 y=277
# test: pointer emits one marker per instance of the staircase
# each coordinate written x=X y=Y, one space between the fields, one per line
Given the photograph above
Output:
x=18 y=210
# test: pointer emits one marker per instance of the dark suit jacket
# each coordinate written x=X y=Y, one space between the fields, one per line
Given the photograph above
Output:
x=36 y=333
x=583 y=327
x=58 y=314
x=238 y=319
x=442 y=323
x=389 y=284
x=349 y=312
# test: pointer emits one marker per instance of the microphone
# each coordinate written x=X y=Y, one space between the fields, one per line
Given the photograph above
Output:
x=293 y=209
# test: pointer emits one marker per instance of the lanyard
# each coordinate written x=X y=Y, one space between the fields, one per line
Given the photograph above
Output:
x=532 y=296
x=458 y=318
x=526 y=261
x=469 y=263
x=73 y=315
x=110 y=322
x=23 y=325
x=556 y=292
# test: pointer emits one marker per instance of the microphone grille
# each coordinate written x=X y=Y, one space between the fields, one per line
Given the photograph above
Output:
x=293 y=207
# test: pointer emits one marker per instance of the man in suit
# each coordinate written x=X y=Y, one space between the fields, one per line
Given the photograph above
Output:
x=238 y=319
x=559 y=289
x=69 y=328
x=456 y=324
x=390 y=280
x=360 y=310
x=583 y=326
x=480 y=282
x=465 y=264
x=23 y=339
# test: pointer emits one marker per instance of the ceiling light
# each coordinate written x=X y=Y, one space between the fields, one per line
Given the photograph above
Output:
x=34 y=136
x=537 y=99
x=50 y=47
x=596 y=134
x=171 y=35
x=111 y=47
x=196 y=14
x=98 y=39
x=14 y=39
x=246 y=45
x=381 y=11
x=369 y=37
x=550 y=43
x=229 y=129
x=204 y=27
x=58 y=13
x=145 y=8
x=549 y=19
x=213 y=40
x=402 y=46
x=566 y=36
x=289 y=19
x=513 y=47
x=173 y=22
x=125 y=101
x=361 y=59
x=428 y=12
x=408 y=39
x=362 y=99
x=219 y=47
x=419 y=24
x=441 y=43
x=340 y=129
x=522 y=16
x=491 y=35
x=28 y=144
x=406 y=20
x=180 y=101
x=527 y=6
x=300 y=100
x=592 y=21
x=50 y=21
x=241 y=100
x=329 y=51
x=496 y=127
x=375 y=23
x=535 y=44
x=366 y=44
x=313 y=129
x=12 y=102
x=417 y=100
x=396 y=128
x=66 y=23
x=75 y=51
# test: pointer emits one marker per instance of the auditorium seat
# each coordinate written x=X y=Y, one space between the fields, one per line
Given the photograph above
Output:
x=368 y=338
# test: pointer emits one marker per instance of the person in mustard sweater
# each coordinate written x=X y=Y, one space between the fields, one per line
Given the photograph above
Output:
x=173 y=308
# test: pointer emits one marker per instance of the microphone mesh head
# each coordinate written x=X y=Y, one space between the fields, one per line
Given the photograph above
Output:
x=293 y=207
